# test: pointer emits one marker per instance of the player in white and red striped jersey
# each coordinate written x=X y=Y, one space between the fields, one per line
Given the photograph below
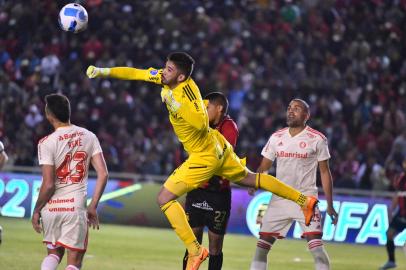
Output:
x=299 y=150
x=65 y=157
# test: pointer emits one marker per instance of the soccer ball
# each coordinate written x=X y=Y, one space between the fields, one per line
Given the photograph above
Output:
x=73 y=18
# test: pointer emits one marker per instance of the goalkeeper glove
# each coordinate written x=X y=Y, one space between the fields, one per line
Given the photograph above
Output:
x=93 y=72
x=167 y=97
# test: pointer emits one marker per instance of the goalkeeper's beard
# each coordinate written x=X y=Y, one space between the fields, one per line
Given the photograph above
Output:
x=170 y=83
x=164 y=81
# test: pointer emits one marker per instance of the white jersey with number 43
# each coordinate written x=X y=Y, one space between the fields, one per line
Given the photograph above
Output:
x=70 y=150
x=297 y=157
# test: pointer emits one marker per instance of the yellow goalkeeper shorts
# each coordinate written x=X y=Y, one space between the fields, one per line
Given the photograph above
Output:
x=218 y=159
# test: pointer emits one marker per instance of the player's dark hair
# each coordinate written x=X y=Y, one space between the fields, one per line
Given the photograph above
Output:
x=183 y=61
x=59 y=106
x=218 y=98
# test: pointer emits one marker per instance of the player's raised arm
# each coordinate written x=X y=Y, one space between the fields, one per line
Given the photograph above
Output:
x=126 y=73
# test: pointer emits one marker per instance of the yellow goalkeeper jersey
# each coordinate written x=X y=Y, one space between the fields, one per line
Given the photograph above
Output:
x=190 y=122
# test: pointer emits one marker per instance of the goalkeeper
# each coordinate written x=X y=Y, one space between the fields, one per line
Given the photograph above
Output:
x=209 y=152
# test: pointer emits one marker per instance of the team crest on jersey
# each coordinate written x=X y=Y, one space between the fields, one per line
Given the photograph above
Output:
x=302 y=145
x=153 y=72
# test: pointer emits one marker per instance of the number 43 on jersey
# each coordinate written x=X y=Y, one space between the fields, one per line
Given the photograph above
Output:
x=73 y=168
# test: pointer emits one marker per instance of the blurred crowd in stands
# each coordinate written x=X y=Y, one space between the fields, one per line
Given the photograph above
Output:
x=347 y=58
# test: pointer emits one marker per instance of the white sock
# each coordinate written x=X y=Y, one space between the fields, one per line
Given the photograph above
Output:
x=71 y=267
x=321 y=259
x=50 y=262
x=260 y=261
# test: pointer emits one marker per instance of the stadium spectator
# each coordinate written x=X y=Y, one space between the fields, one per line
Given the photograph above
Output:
x=371 y=175
x=33 y=117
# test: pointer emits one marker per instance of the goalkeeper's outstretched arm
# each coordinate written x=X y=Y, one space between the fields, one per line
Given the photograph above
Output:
x=126 y=73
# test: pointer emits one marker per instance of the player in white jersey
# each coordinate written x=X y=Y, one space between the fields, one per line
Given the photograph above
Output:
x=299 y=150
x=65 y=157
x=3 y=155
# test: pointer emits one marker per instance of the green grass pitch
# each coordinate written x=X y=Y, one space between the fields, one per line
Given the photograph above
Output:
x=139 y=248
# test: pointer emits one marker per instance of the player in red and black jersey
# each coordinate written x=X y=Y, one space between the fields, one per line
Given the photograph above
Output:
x=210 y=204
x=397 y=217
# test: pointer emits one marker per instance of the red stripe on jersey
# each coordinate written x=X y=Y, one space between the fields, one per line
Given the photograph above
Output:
x=398 y=181
x=229 y=129
x=65 y=246
x=311 y=233
x=402 y=206
x=274 y=234
x=400 y=186
x=316 y=132
x=263 y=245
x=43 y=139
x=314 y=243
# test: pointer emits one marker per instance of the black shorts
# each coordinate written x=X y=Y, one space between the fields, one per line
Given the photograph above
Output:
x=398 y=223
x=208 y=208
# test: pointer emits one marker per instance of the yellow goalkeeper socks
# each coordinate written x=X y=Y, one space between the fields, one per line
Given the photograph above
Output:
x=177 y=217
x=274 y=185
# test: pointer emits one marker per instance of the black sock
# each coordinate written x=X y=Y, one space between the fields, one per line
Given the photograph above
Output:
x=216 y=261
x=390 y=247
x=185 y=260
